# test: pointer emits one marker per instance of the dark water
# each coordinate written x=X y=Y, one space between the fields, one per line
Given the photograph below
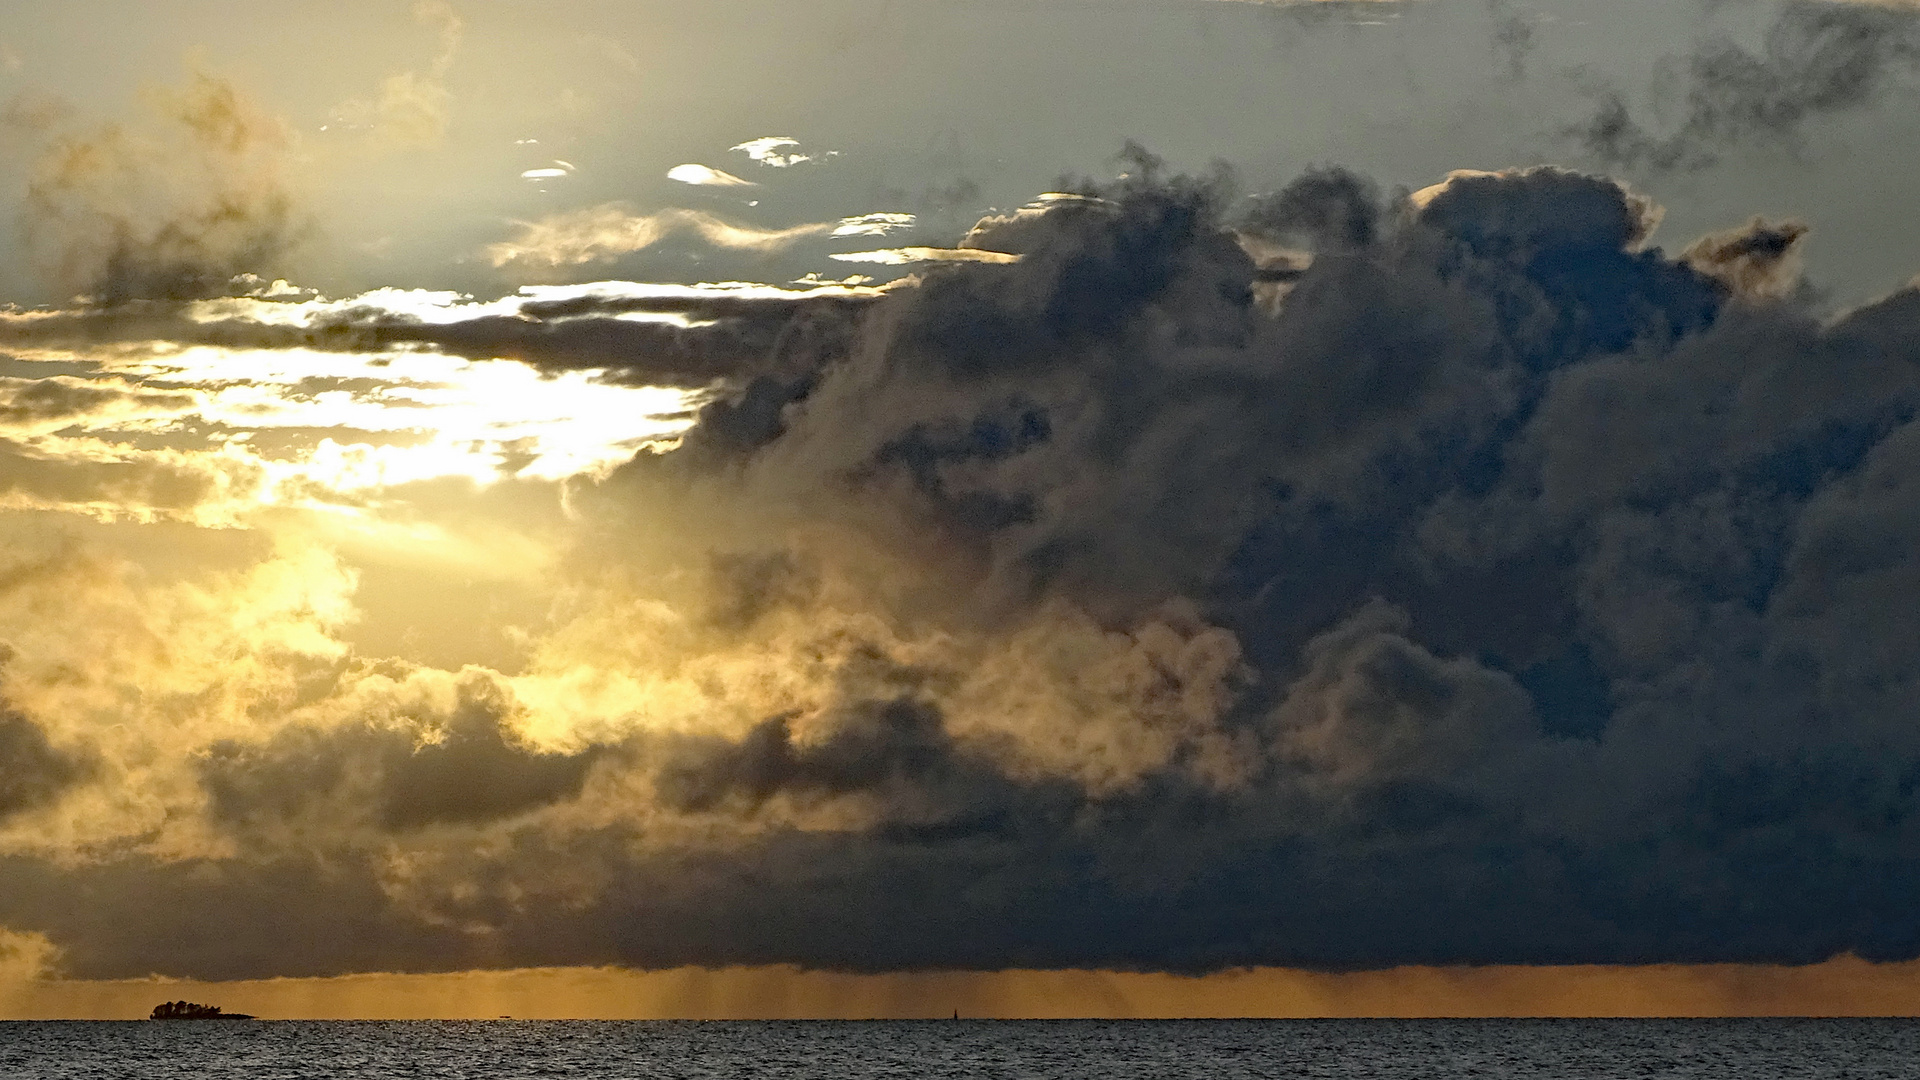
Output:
x=1104 y=1050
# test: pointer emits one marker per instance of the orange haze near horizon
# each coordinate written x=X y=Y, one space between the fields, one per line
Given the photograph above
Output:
x=1844 y=986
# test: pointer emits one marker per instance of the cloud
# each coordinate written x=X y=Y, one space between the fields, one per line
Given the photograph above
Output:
x=202 y=189
x=559 y=170
x=1325 y=208
x=219 y=411
x=683 y=336
x=1435 y=417
x=1338 y=5
x=904 y=255
x=1522 y=214
x=110 y=481
x=459 y=761
x=413 y=107
x=775 y=151
x=604 y=233
x=173 y=210
x=1760 y=259
x=47 y=405
x=705 y=175
x=1506 y=590
x=873 y=224
x=1818 y=60
x=35 y=772
x=27 y=961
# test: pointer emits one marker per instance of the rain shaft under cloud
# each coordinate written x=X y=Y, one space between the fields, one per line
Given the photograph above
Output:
x=1454 y=578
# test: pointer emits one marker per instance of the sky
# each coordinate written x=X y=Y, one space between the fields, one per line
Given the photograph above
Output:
x=1033 y=507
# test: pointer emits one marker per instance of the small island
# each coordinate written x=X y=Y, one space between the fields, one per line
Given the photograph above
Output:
x=187 y=1010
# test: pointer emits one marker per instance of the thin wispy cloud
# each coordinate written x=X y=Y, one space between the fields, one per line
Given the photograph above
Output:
x=902 y=256
x=873 y=224
x=606 y=232
x=776 y=151
x=558 y=170
x=704 y=175
x=412 y=108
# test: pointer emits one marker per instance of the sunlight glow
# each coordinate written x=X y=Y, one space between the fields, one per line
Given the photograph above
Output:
x=249 y=427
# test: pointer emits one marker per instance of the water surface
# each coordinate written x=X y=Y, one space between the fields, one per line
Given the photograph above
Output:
x=1095 y=1049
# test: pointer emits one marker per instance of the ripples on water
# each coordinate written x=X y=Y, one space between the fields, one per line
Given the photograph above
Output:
x=1107 y=1050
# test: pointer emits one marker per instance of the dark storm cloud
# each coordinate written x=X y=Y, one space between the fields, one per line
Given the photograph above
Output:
x=878 y=744
x=1329 y=208
x=1818 y=60
x=1573 y=588
x=300 y=913
x=1512 y=591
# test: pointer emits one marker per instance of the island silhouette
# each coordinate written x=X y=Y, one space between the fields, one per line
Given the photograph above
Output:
x=188 y=1010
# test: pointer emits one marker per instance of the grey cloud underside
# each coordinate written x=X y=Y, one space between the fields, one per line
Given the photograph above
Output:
x=32 y=771
x=733 y=337
x=39 y=401
x=1571 y=585
x=1817 y=61
x=461 y=768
